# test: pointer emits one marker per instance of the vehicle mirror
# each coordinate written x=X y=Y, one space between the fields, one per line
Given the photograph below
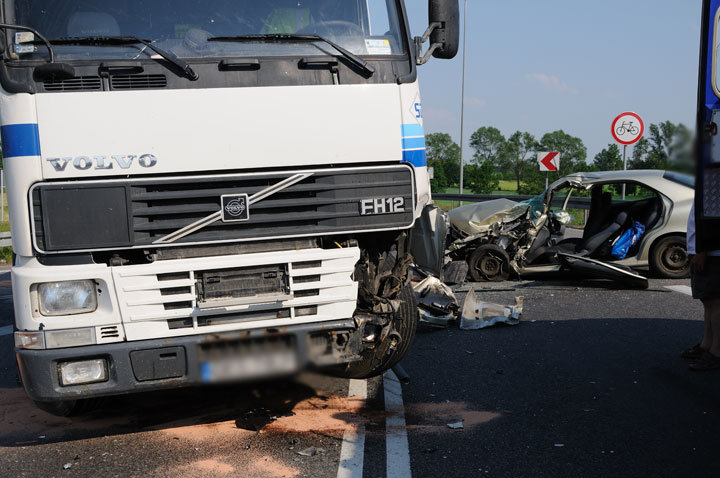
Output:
x=447 y=35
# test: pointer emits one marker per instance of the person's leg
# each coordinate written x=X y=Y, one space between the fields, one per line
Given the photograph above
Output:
x=715 y=326
x=711 y=358
x=708 y=338
x=696 y=352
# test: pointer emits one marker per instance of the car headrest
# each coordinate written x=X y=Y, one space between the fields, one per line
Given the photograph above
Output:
x=93 y=24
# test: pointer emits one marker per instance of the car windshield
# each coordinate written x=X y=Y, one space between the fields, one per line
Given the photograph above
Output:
x=183 y=27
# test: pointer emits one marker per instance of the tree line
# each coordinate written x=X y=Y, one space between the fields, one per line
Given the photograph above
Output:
x=495 y=157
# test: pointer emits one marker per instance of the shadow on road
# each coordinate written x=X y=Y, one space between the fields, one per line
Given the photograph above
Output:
x=272 y=407
x=587 y=397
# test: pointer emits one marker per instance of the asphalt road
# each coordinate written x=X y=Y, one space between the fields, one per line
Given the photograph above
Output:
x=589 y=384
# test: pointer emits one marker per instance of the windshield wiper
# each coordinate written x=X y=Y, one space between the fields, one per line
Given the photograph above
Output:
x=287 y=37
x=129 y=40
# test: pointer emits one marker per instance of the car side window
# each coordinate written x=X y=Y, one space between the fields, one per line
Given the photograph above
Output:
x=633 y=192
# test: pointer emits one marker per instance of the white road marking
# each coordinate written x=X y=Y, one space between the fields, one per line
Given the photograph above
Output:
x=396 y=440
x=7 y=330
x=353 y=444
x=683 y=289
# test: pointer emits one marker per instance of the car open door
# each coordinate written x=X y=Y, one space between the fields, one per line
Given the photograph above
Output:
x=707 y=191
x=593 y=268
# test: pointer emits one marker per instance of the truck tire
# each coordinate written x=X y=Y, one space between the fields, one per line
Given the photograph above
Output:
x=376 y=361
x=489 y=263
x=669 y=258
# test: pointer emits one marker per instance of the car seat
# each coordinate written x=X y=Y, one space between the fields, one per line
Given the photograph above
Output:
x=600 y=216
x=92 y=24
x=588 y=246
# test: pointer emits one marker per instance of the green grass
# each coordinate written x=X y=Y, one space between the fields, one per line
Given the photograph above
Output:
x=5 y=255
x=508 y=186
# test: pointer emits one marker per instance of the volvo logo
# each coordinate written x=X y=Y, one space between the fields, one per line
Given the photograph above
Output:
x=84 y=163
x=235 y=207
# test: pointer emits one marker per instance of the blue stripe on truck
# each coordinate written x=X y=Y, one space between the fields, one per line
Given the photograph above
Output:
x=20 y=140
x=413 y=143
x=417 y=158
x=409 y=130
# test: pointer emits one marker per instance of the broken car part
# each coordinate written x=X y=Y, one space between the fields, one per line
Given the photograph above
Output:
x=477 y=314
x=436 y=302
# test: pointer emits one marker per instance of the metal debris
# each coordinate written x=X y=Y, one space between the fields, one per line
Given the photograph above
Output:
x=479 y=315
x=455 y=272
x=436 y=302
x=311 y=451
x=456 y=425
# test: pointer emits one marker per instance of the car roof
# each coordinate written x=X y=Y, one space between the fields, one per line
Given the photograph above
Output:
x=640 y=175
x=652 y=178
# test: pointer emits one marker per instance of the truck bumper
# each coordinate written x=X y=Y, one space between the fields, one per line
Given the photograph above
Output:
x=189 y=361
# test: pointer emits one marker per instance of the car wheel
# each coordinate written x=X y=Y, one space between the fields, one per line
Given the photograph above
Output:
x=489 y=263
x=376 y=361
x=669 y=258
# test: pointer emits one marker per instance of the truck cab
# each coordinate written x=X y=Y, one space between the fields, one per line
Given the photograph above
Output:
x=215 y=191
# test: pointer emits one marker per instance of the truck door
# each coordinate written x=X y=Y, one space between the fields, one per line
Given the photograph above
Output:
x=707 y=192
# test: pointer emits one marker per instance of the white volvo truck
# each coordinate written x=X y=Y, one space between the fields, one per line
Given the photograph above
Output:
x=212 y=191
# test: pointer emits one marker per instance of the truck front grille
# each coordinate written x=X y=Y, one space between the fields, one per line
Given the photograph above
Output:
x=147 y=308
x=140 y=212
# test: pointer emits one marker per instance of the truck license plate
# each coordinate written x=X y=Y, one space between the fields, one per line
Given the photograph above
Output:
x=371 y=207
x=247 y=359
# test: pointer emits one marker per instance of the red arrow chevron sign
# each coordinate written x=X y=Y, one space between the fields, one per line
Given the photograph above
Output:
x=549 y=161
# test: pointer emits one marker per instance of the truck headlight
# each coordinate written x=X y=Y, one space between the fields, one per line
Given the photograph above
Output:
x=67 y=298
x=30 y=340
x=86 y=371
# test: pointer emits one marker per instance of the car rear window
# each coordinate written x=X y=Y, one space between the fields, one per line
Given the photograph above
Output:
x=684 y=179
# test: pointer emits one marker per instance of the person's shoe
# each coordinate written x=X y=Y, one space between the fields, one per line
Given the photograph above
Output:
x=693 y=353
x=706 y=363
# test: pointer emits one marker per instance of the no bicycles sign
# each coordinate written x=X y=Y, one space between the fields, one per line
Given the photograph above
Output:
x=628 y=128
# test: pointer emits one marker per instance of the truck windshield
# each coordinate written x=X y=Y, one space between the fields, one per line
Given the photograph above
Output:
x=183 y=27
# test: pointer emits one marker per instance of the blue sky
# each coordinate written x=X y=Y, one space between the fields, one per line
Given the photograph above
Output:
x=543 y=65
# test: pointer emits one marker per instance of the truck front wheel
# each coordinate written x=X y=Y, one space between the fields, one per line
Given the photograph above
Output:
x=385 y=355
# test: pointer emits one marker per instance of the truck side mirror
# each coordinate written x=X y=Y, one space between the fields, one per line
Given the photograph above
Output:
x=443 y=32
x=446 y=13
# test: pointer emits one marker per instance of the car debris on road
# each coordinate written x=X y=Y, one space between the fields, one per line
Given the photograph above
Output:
x=437 y=303
x=438 y=307
x=477 y=314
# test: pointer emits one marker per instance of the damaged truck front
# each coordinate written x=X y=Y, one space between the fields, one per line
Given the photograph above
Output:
x=231 y=200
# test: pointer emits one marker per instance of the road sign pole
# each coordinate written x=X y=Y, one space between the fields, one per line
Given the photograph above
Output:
x=547 y=180
x=628 y=128
x=624 y=167
x=462 y=104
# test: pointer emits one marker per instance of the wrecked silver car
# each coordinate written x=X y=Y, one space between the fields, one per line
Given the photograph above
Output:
x=501 y=238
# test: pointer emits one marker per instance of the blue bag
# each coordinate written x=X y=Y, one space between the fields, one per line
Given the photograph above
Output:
x=627 y=240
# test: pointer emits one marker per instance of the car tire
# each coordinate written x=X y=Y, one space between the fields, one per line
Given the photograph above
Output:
x=669 y=258
x=489 y=263
x=376 y=361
